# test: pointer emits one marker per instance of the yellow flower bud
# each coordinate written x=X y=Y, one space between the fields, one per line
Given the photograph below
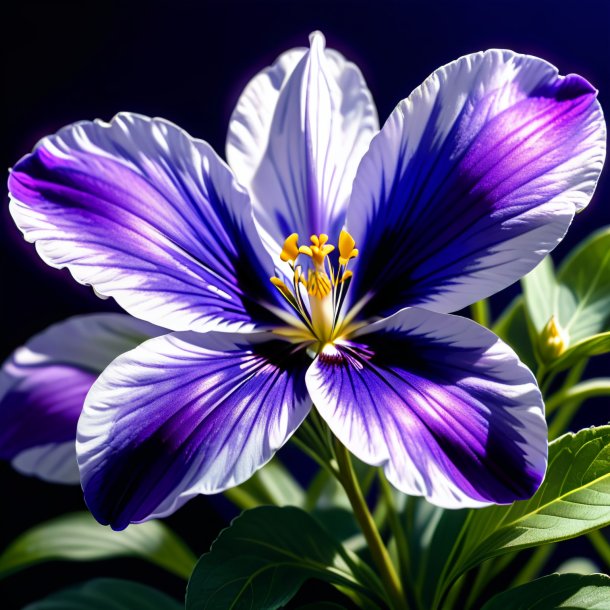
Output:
x=553 y=340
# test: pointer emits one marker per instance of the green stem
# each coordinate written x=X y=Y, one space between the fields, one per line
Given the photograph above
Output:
x=448 y=575
x=575 y=373
x=304 y=447
x=571 y=379
x=562 y=420
x=534 y=565
x=574 y=398
x=487 y=572
x=379 y=552
x=316 y=489
x=454 y=593
x=545 y=386
x=540 y=373
x=241 y=498
x=601 y=545
x=580 y=391
x=480 y=312
x=397 y=529
x=314 y=439
x=480 y=581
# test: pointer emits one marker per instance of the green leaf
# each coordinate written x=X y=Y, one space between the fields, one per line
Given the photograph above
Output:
x=264 y=557
x=573 y=499
x=584 y=295
x=342 y=523
x=430 y=529
x=569 y=591
x=107 y=594
x=578 y=297
x=281 y=486
x=512 y=327
x=78 y=537
x=539 y=288
x=272 y=484
x=322 y=606
x=592 y=346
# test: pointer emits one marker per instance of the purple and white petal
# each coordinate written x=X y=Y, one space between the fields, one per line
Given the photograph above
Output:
x=250 y=123
x=43 y=387
x=150 y=216
x=296 y=138
x=440 y=403
x=185 y=414
x=471 y=181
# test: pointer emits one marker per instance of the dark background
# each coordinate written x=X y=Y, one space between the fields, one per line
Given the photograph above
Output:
x=188 y=63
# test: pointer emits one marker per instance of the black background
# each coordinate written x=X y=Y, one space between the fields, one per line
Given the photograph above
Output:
x=188 y=62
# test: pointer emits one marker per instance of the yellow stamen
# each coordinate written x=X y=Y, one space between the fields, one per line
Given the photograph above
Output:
x=290 y=251
x=318 y=249
x=305 y=250
x=346 y=247
x=281 y=287
x=318 y=284
x=325 y=284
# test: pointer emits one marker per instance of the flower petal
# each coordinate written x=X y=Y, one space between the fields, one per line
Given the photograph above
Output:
x=441 y=403
x=471 y=181
x=296 y=138
x=43 y=387
x=250 y=123
x=184 y=414
x=148 y=215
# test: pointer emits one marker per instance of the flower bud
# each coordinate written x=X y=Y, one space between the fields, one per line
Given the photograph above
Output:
x=553 y=340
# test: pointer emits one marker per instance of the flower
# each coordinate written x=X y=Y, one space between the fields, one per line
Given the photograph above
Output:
x=321 y=266
x=43 y=386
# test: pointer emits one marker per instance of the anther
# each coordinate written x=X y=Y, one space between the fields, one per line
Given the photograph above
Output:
x=290 y=250
x=318 y=284
x=281 y=287
x=346 y=247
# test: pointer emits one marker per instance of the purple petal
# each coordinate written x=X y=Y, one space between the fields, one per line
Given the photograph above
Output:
x=43 y=387
x=296 y=138
x=471 y=181
x=184 y=414
x=440 y=403
x=150 y=216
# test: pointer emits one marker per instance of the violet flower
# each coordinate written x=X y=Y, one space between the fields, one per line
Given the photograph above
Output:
x=321 y=266
x=43 y=385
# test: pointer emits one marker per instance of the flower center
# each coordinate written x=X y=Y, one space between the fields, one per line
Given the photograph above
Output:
x=324 y=286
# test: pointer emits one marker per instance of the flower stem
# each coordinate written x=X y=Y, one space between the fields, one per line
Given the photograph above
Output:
x=241 y=498
x=396 y=527
x=601 y=545
x=480 y=312
x=535 y=563
x=304 y=447
x=480 y=581
x=580 y=391
x=379 y=553
x=449 y=574
x=487 y=572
